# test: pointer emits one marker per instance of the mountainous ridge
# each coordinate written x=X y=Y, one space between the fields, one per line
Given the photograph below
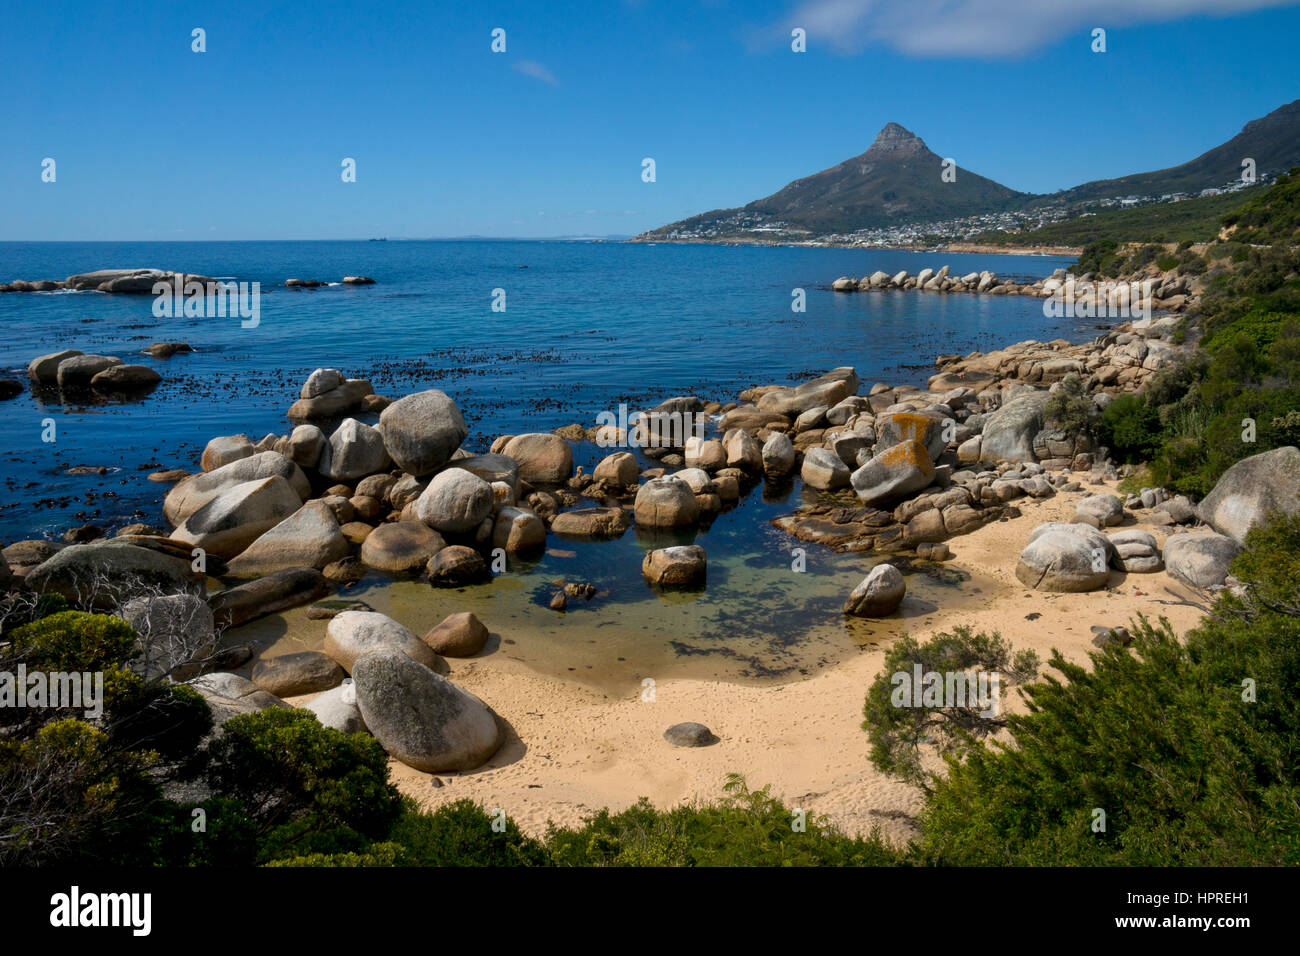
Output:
x=898 y=180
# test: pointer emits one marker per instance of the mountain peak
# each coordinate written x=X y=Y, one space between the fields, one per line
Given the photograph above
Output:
x=895 y=138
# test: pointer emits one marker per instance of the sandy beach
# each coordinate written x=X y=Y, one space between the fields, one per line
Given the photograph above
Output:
x=572 y=749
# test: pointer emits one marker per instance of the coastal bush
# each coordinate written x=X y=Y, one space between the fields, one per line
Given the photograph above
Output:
x=1099 y=257
x=1166 y=262
x=307 y=788
x=169 y=719
x=1271 y=218
x=745 y=828
x=73 y=641
x=462 y=834
x=67 y=796
x=902 y=733
x=377 y=854
x=1130 y=428
x=1187 y=748
x=1070 y=408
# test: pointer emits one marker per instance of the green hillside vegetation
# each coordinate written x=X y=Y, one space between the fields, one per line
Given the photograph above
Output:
x=1239 y=394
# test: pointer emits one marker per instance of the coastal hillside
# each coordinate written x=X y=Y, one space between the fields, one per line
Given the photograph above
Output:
x=1272 y=141
x=897 y=180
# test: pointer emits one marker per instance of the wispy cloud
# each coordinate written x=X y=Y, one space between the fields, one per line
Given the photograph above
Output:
x=981 y=28
x=537 y=71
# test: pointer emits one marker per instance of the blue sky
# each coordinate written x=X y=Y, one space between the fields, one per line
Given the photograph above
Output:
x=245 y=141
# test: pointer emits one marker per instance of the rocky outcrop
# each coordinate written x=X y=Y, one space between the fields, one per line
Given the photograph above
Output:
x=300 y=672
x=104 y=573
x=666 y=502
x=309 y=538
x=238 y=516
x=1252 y=489
x=192 y=493
x=598 y=524
x=1065 y=557
x=400 y=547
x=353 y=451
x=455 y=502
x=543 y=459
x=292 y=587
x=894 y=473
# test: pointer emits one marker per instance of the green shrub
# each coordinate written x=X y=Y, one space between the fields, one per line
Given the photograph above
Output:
x=377 y=854
x=307 y=788
x=1070 y=408
x=745 y=828
x=82 y=802
x=462 y=834
x=18 y=609
x=1130 y=428
x=1166 y=262
x=73 y=641
x=901 y=733
x=168 y=719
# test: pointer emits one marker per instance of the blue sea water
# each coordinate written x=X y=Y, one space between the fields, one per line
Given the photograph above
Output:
x=586 y=326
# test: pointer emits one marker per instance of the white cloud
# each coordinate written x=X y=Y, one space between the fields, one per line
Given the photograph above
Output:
x=986 y=28
x=536 y=70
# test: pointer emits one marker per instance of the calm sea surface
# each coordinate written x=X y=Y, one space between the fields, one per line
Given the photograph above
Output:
x=586 y=327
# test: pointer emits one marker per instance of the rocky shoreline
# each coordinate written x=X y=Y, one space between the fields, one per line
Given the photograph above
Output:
x=289 y=519
x=1143 y=290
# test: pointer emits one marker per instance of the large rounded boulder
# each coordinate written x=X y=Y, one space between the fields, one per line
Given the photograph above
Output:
x=1065 y=557
x=194 y=492
x=666 y=502
x=1251 y=489
x=543 y=459
x=422 y=431
x=308 y=538
x=400 y=547
x=354 y=451
x=455 y=502
x=893 y=474
x=353 y=634
x=421 y=718
x=238 y=516
x=104 y=572
x=1200 y=558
